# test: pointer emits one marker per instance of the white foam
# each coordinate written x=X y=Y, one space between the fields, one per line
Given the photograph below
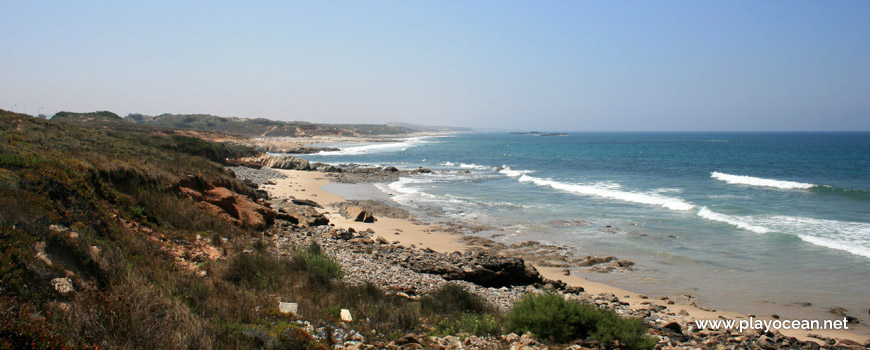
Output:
x=668 y=190
x=610 y=190
x=514 y=173
x=473 y=166
x=377 y=147
x=732 y=220
x=847 y=247
x=852 y=237
x=757 y=181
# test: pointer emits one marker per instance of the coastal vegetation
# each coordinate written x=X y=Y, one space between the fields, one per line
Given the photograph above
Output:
x=549 y=316
x=109 y=240
x=260 y=127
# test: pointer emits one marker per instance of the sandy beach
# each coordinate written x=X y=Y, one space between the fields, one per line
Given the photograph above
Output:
x=410 y=233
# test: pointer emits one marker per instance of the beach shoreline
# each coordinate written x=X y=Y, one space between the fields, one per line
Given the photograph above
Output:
x=414 y=234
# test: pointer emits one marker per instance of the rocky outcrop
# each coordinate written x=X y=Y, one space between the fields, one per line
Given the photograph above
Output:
x=326 y=168
x=478 y=268
x=279 y=162
x=294 y=149
x=377 y=207
x=238 y=209
x=482 y=269
x=300 y=215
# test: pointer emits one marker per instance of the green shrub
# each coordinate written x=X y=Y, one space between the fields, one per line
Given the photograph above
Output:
x=470 y=323
x=452 y=298
x=552 y=318
x=318 y=264
x=258 y=271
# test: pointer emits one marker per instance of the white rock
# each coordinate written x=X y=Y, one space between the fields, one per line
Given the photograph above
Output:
x=62 y=285
x=288 y=308
x=345 y=315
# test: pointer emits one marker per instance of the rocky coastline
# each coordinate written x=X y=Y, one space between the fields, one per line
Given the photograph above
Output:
x=498 y=272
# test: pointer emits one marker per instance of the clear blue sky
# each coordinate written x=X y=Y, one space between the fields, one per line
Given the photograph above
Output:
x=543 y=65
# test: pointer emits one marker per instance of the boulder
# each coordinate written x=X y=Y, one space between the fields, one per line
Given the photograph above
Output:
x=302 y=216
x=673 y=327
x=62 y=285
x=306 y=202
x=358 y=214
x=326 y=168
x=420 y=170
x=409 y=338
x=345 y=316
x=288 y=308
x=483 y=269
x=341 y=234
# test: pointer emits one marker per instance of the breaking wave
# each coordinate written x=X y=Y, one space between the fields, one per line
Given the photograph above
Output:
x=377 y=147
x=732 y=220
x=514 y=173
x=757 y=181
x=609 y=190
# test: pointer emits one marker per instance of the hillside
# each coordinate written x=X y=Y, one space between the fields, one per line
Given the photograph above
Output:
x=91 y=220
x=430 y=128
x=264 y=127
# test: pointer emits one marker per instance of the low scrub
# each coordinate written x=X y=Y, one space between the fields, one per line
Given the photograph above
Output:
x=319 y=265
x=453 y=299
x=468 y=323
x=552 y=318
x=462 y=312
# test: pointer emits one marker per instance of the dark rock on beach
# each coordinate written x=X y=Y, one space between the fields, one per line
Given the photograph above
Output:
x=306 y=202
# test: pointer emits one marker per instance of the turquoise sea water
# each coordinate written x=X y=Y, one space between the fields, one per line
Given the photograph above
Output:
x=754 y=222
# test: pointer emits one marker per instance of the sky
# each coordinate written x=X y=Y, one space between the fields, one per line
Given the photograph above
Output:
x=515 y=65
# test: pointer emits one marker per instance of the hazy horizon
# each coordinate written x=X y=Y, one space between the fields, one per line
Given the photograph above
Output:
x=554 y=66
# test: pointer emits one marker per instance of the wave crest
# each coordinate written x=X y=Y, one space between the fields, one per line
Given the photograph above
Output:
x=757 y=181
x=611 y=191
x=377 y=147
x=728 y=219
x=514 y=173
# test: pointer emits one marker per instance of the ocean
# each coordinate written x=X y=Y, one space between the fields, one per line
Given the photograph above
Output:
x=751 y=222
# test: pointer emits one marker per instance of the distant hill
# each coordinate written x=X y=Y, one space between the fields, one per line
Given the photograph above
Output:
x=264 y=127
x=430 y=128
x=101 y=115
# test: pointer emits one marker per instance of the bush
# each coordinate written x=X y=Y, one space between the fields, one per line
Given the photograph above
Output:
x=258 y=271
x=550 y=317
x=318 y=264
x=471 y=323
x=453 y=299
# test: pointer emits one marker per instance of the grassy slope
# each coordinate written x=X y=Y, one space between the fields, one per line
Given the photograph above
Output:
x=93 y=181
x=263 y=127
